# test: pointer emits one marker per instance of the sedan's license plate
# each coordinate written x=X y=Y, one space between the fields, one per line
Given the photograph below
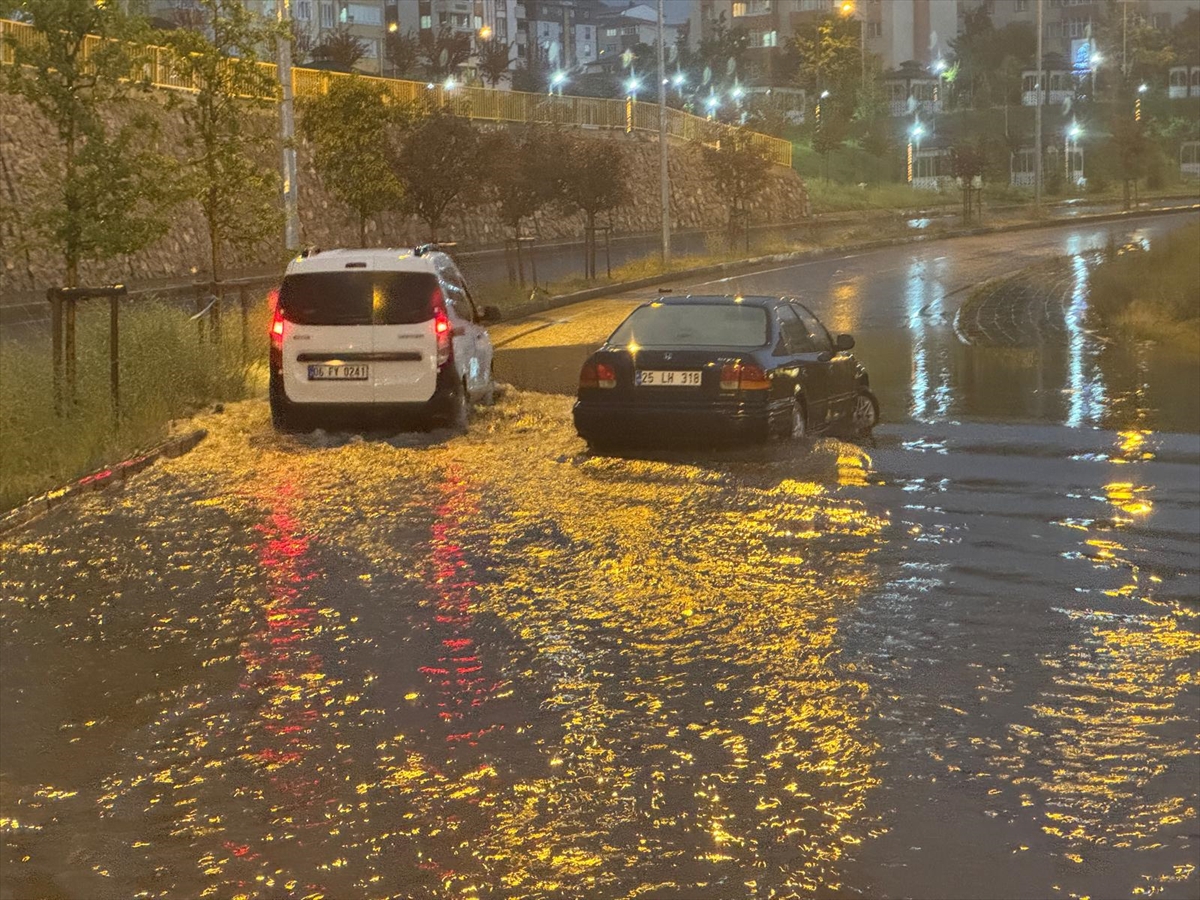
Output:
x=337 y=373
x=659 y=378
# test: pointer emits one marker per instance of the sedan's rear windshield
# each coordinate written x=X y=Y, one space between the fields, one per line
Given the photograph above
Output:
x=694 y=325
x=358 y=298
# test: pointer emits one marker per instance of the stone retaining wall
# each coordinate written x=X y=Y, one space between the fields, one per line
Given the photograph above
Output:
x=28 y=146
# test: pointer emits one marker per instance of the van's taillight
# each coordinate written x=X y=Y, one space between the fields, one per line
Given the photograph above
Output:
x=441 y=326
x=597 y=375
x=277 y=326
x=738 y=377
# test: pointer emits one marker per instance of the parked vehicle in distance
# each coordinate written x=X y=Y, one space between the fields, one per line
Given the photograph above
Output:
x=720 y=367
x=377 y=331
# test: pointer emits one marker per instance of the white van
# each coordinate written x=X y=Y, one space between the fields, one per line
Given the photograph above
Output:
x=375 y=331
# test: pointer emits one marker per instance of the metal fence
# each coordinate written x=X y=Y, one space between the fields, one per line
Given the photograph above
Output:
x=156 y=66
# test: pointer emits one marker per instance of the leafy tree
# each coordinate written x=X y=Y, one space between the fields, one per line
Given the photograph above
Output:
x=349 y=130
x=830 y=57
x=442 y=53
x=990 y=60
x=721 y=54
x=1185 y=38
x=438 y=162
x=594 y=179
x=105 y=188
x=340 y=50
x=402 y=51
x=738 y=170
x=493 y=61
x=237 y=195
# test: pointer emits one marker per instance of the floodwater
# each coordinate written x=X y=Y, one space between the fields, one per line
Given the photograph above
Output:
x=959 y=660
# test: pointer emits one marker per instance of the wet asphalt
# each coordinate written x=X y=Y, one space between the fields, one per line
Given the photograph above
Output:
x=957 y=660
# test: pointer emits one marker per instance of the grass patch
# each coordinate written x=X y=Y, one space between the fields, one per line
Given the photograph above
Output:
x=166 y=373
x=1151 y=294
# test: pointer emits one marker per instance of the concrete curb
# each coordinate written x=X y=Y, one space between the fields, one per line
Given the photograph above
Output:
x=742 y=265
x=98 y=481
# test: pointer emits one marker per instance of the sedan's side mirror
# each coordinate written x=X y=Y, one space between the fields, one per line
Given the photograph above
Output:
x=845 y=342
x=490 y=314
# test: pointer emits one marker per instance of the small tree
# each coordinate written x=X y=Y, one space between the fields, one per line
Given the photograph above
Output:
x=738 y=170
x=340 y=50
x=104 y=192
x=1131 y=147
x=237 y=196
x=594 y=179
x=493 y=61
x=828 y=136
x=349 y=130
x=969 y=159
x=438 y=162
x=402 y=51
x=442 y=53
x=524 y=177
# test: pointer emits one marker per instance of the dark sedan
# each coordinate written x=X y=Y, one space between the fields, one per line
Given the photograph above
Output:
x=718 y=367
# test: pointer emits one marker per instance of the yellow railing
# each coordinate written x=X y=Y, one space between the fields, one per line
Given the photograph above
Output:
x=155 y=65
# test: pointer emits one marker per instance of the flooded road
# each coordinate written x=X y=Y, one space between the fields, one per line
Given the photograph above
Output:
x=957 y=661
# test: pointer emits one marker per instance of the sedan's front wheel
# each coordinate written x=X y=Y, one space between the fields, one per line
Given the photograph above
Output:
x=865 y=414
x=799 y=430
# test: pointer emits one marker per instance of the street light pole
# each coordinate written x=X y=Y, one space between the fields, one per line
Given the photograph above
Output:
x=287 y=127
x=1037 y=119
x=663 y=173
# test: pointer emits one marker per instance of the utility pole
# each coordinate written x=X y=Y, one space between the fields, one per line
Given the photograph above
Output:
x=1124 y=41
x=1037 y=126
x=664 y=176
x=287 y=126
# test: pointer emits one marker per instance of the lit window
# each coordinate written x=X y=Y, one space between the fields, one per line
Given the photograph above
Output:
x=426 y=22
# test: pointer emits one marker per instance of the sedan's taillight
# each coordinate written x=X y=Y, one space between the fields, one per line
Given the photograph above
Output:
x=739 y=377
x=597 y=375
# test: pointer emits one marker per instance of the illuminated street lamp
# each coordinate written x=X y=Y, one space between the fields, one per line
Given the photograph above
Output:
x=711 y=105
x=1093 y=62
x=485 y=33
x=631 y=89
x=1070 y=147
x=450 y=84
x=817 y=111
x=557 y=80
x=393 y=27
x=914 y=136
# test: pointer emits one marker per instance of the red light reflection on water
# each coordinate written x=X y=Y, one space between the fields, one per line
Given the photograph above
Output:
x=458 y=673
x=283 y=668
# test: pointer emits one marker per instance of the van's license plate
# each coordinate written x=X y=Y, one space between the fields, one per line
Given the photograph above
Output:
x=338 y=373
x=653 y=378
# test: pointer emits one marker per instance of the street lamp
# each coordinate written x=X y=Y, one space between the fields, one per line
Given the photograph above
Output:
x=824 y=96
x=1137 y=102
x=1070 y=145
x=914 y=136
x=711 y=105
x=631 y=88
x=485 y=33
x=1093 y=61
x=557 y=80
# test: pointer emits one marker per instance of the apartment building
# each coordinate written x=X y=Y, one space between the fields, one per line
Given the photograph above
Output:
x=1067 y=24
x=894 y=31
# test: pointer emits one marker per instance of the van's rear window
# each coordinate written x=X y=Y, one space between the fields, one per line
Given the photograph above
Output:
x=358 y=298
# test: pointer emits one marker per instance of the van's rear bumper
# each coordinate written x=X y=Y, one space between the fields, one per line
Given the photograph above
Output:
x=443 y=401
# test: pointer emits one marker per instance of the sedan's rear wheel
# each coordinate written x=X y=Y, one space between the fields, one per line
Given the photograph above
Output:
x=865 y=414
